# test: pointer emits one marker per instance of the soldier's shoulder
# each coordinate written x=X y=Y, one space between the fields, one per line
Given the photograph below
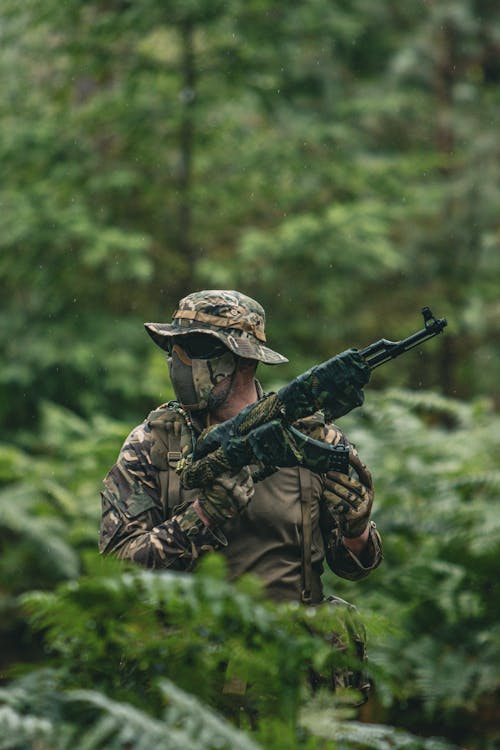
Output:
x=165 y=416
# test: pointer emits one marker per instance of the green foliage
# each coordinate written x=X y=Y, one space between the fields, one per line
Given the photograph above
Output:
x=430 y=610
x=437 y=486
x=49 y=508
x=48 y=501
x=317 y=717
x=105 y=723
x=339 y=162
x=307 y=248
x=185 y=722
x=127 y=631
x=324 y=152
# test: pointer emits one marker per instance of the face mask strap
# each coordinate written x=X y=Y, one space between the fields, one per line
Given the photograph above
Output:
x=179 y=351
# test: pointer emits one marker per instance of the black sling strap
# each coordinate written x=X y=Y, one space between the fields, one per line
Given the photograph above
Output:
x=305 y=482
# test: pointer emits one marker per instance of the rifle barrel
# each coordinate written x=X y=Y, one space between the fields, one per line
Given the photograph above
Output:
x=382 y=351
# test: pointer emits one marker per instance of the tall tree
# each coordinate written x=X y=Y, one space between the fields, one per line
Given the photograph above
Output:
x=299 y=151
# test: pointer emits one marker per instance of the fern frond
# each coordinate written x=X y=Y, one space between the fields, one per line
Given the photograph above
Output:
x=43 y=533
x=323 y=720
x=18 y=731
x=186 y=723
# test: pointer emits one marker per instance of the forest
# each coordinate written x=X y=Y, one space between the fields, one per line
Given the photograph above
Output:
x=337 y=160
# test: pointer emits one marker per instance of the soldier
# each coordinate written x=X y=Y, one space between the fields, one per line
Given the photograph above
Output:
x=283 y=528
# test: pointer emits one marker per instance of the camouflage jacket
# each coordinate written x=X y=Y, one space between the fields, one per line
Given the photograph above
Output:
x=144 y=511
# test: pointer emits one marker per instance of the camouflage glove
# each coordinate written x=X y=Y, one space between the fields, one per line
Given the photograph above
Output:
x=228 y=496
x=350 y=499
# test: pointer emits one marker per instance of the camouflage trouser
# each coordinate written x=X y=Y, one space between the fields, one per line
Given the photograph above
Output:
x=353 y=641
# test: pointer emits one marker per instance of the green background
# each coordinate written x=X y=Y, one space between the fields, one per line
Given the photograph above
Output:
x=339 y=162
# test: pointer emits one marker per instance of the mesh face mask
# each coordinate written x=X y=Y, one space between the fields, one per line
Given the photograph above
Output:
x=194 y=380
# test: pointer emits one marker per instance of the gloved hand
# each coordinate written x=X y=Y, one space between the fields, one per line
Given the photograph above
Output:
x=228 y=496
x=350 y=498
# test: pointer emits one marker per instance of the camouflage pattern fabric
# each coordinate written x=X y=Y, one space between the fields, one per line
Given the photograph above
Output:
x=234 y=318
x=335 y=386
x=228 y=496
x=194 y=380
x=351 y=500
x=137 y=525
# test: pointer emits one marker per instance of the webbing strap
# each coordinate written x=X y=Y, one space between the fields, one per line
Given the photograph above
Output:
x=164 y=489
x=174 y=481
x=170 y=484
x=305 y=482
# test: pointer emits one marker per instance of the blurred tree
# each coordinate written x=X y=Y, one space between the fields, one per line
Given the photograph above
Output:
x=437 y=481
x=340 y=162
x=451 y=61
x=336 y=147
x=392 y=115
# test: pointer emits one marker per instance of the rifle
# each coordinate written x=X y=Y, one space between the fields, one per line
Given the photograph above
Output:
x=263 y=432
x=383 y=350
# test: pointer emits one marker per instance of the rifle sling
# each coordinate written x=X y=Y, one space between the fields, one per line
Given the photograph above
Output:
x=305 y=482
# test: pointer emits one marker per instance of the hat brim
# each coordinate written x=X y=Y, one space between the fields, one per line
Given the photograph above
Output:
x=249 y=348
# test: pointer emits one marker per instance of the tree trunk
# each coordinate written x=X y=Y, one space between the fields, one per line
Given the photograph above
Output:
x=186 y=147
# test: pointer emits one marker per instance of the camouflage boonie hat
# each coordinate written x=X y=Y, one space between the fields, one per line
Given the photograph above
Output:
x=237 y=320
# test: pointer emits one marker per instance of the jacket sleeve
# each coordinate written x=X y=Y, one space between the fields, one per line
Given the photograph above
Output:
x=345 y=563
x=134 y=523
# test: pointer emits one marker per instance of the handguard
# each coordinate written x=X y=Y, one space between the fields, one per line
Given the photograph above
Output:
x=335 y=387
x=279 y=446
